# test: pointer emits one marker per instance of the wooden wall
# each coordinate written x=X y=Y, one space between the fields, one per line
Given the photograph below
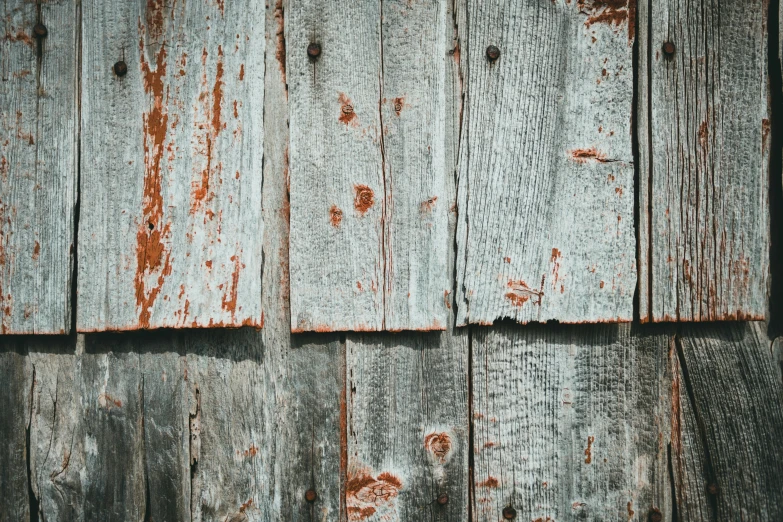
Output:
x=222 y=181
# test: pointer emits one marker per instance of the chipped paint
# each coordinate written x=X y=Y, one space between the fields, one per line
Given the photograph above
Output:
x=589 y=450
x=367 y=495
x=335 y=216
x=364 y=199
x=520 y=293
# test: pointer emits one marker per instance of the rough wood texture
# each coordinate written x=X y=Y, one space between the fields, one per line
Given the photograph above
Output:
x=704 y=214
x=734 y=391
x=546 y=166
x=170 y=224
x=16 y=376
x=368 y=209
x=567 y=423
x=38 y=163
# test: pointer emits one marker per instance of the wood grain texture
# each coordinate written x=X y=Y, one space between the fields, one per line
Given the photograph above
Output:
x=170 y=223
x=39 y=122
x=17 y=376
x=735 y=396
x=569 y=423
x=546 y=166
x=368 y=213
x=704 y=128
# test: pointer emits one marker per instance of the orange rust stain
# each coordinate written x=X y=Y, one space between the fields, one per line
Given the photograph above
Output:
x=521 y=293
x=507 y=260
x=347 y=114
x=280 y=37
x=19 y=36
x=364 y=198
x=446 y=299
x=252 y=451
x=585 y=155
x=154 y=18
x=704 y=135
x=491 y=482
x=229 y=302
x=366 y=495
x=242 y=72
x=335 y=216
x=555 y=259
x=428 y=204
x=589 y=450
x=618 y=191
x=610 y=12
x=236 y=110
x=246 y=505
x=36 y=251
x=399 y=104
x=152 y=256
x=602 y=284
x=359 y=286
x=208 y=263
x=221 y=4
x=200 y=193
x=631 y=512
x=107 y=401
x=439 y=445
x=4 y=168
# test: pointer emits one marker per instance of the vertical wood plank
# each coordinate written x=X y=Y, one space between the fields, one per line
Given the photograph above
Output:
x=170 y=224
x=704 y=237
x=734 y=391
x=368 y=223
x=39 y=121
x=16 y=376
x=570 y=422
x=546 y=165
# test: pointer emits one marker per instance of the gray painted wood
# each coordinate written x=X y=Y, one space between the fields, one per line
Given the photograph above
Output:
x=171 y=179
x=569 y=423
x=17 y=376
x=368 y=213
x=546 y=166
x=38 y=164
x=704 y=213
x=735 y=395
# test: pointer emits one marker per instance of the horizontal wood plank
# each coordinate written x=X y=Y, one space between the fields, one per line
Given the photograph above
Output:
x=170 y=224
x=39 y=121
x=546 y=165
x=704 y=130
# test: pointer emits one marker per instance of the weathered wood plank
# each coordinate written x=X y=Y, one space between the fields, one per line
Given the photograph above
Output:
x=704 y=227
x=38 y=162
x=172 y=171
x=368 y=219
x=569 y=423
x=733 y=388
x=16 y=375
x=546 y=164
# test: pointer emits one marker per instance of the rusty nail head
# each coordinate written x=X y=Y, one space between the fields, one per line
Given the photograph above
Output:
x=493 y=53
x=443 y=499
x=40 y=30
x=314 y=50
x=655 y=515
x=120 y=68
x=712 y=489
x=669 y=48
x=509 y=513
x=310 y=495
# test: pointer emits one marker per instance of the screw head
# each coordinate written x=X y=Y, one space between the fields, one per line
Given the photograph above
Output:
x=443 y=499
x=40 y=30
x=509 y=513
x=669 y=48
x=656 y=515
x=310 y=495
x=120 y=68
x=314 y=50
x=493 y=53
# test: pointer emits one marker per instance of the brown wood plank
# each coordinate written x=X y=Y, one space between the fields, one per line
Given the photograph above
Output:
x=171 y=177
x=39 y=122
x=704 y=121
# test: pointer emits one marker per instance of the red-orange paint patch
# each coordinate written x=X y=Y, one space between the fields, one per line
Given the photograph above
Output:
x=154 y=18
x=398 y=104
x=229 y=302
x=36 y=251
x=491 y=482
x=335 y=216
x=366 y=495
x=280 y=38
x=585 y=155
x=589 y=450
x=364 y=198
x=610 y=12
x=520 y=293
x=555 y=259
x=347 y=112
x=438 y=445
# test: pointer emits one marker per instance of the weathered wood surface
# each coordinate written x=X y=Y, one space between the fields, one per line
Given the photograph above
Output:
x=368 y=211
x=38 y=164
x=170 y=222
x=703 y=188
x=546 y=164
x=568 y=423
x=16 y=376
